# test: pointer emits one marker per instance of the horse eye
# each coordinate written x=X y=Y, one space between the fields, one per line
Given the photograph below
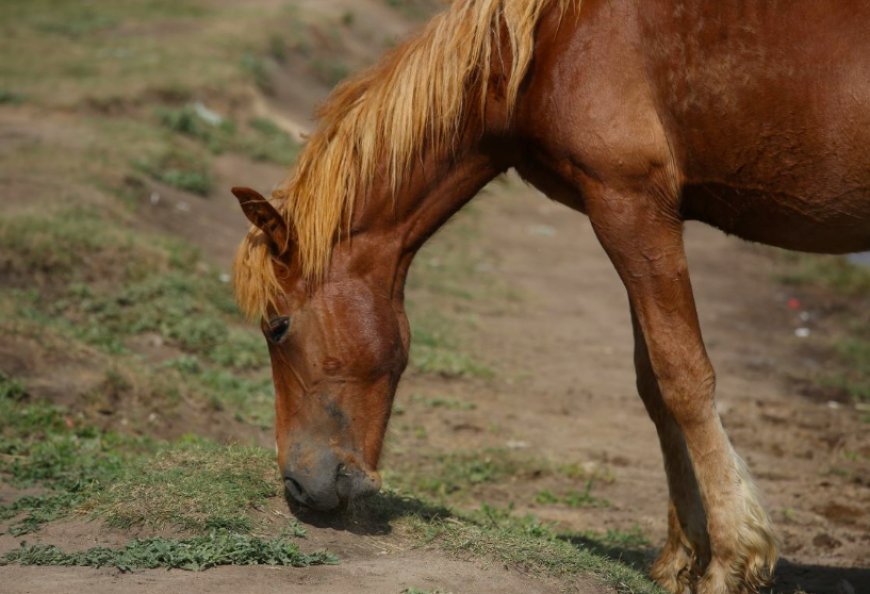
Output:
x=278 y=328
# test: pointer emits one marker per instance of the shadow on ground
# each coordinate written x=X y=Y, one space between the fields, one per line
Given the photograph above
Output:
x=790 y=578
x=372 y=516
x=818 y=579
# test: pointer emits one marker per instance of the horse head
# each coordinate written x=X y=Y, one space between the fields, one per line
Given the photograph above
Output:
x=337 y=348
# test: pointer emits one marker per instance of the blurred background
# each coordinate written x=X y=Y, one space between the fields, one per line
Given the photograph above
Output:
x=135 y=402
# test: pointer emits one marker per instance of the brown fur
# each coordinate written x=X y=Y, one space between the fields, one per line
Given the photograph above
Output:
x=753 y=117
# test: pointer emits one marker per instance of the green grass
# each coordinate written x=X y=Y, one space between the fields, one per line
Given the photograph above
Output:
x=54 y=243
x=179 y=168
x=40 y=446
x=435 y=349
x=455 y=474
x=261 y=139
x=192 y=485
x=573 y=498
x=525 y=543
x=194 y=554
x=146 y=285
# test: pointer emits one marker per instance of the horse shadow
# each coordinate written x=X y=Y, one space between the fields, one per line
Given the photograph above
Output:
x=373 y=516
x=789 y=577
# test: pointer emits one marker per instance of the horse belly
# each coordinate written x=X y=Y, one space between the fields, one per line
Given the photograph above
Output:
x=768 y=113
x=839 y=224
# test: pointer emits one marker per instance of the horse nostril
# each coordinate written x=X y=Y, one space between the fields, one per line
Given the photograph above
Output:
x=295 y=489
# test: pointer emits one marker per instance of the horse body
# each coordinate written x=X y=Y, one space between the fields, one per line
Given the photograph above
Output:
x=753 y=117
x=759 y=111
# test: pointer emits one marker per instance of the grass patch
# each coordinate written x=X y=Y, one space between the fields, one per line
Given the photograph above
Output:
x=270 y=143
x=455 y=474
x=261 y=139
x=180 y=169
x=528 y=544
x=192 y=485
x=42 y=447
x=576 y=499
x=434 y=350
x=194 y=554
x=117 y=286
x=56 y=243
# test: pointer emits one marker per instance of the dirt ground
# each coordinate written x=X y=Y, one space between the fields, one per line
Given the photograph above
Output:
x=564 y=391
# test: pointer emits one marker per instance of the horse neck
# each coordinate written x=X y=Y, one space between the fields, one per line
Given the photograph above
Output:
x=392 y=226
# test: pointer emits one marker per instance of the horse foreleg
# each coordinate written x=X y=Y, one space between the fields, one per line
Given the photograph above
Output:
x=687 y=549
x=643 y=237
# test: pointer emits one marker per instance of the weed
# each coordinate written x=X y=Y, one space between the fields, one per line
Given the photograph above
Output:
x=216 y=548
x=414 y=9
x=39 y=510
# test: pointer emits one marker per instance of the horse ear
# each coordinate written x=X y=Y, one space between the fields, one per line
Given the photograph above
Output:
x=264 y=216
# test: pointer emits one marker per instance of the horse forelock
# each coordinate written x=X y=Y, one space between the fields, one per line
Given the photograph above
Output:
x=417 y=96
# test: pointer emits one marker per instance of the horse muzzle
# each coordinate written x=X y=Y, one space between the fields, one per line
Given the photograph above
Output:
x=326 y=480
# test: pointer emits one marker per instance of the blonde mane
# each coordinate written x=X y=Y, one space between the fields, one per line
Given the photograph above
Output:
x=416 y=97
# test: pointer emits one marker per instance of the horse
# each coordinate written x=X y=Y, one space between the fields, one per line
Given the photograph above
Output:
x=753 y=117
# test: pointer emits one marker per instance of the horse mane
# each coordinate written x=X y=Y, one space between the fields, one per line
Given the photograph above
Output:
x=416 y=97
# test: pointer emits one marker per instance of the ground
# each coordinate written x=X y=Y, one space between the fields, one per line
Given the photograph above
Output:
x=519 y=457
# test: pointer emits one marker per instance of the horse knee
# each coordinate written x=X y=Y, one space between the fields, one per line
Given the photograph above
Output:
x=688 y=392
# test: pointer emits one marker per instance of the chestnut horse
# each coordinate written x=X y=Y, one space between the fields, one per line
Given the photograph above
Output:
x=750 y=116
